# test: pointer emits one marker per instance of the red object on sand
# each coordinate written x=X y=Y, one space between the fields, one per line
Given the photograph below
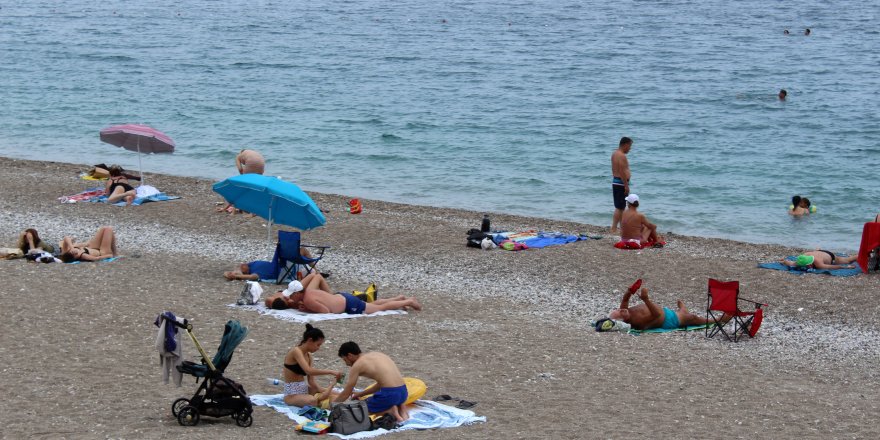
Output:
x=635 y=286
x=355 y=206
x=632 y=245
x=870 y=241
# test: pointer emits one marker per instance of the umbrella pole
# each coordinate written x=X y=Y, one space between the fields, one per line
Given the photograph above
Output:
x=140 y=165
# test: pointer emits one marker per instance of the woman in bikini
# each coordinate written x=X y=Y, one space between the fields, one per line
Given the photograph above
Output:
x=300 y=388
x=821 y=259
x=101 y=246
x=29 y=240
x=118 y=188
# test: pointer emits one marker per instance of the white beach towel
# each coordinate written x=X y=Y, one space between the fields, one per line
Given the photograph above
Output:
x=303 y=317
x=423 y=414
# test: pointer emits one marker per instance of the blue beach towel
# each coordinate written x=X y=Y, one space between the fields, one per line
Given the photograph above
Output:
x=160 y=197
x=537 y=240
x=423 y=414
x=800 y=271
x=105 y=260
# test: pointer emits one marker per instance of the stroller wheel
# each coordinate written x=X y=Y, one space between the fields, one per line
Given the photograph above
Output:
x=244 y=419
x=188 y=416
x=178 y=405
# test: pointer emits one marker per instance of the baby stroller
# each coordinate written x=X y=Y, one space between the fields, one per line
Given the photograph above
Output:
x=217 y=396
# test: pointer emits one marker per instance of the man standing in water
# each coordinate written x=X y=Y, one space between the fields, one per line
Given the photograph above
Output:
x=620 y=182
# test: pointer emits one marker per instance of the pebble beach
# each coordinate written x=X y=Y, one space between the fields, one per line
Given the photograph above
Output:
x=509 y=330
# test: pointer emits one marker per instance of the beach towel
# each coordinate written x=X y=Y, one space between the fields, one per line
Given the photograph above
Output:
x=105 y=260
x=800 y=271
x=303 y=317
x=82 y=196
x=690 y=328
x=537 y=239
x=632 y=245
x=144 y=194
x=423 y=414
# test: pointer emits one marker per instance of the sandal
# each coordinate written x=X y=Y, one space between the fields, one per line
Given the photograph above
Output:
x=465 y=404
x=444 y=398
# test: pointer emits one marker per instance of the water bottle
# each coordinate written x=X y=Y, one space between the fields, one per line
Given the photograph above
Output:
x=485 y=226
x=273 y=382
x=341 y=380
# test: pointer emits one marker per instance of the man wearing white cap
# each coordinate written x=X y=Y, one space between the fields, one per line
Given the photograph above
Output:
x=313 y=295
x=634 y=226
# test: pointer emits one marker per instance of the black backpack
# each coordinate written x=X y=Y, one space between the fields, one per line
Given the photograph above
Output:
x=475 y=238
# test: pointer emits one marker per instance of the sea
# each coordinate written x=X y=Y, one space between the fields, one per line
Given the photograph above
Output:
x=493 y=106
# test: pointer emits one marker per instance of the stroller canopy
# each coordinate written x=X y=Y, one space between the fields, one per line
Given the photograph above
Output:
x=233 y=334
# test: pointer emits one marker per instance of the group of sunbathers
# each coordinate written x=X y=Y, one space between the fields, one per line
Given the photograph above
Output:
x=99 y=247
x=313 y=295
x=387 y=395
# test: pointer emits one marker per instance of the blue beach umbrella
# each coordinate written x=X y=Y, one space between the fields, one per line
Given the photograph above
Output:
x=273 y=199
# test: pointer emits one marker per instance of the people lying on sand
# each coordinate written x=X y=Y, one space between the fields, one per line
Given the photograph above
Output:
x=799 y=206
x=30 y=240
x=118 y=188
x=258 y=270
x=300 y=388
x=821 y=259
x=634 y=226
x=313 y=296
x=388 y=393
x=101 y=246
x=648 y=315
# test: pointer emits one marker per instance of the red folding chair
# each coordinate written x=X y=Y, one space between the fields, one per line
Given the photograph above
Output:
x=722 y=306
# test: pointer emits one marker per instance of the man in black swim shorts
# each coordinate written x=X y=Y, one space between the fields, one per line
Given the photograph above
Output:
x=620 y=180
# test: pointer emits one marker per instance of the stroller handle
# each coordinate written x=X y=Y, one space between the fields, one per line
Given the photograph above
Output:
x=188 y=327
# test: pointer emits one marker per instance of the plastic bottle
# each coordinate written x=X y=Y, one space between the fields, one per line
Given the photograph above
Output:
x=273 y=382
x=485 y=226
x=341 y=380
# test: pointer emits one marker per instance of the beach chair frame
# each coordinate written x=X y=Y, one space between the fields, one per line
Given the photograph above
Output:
x=287 y=251
x=722 y=299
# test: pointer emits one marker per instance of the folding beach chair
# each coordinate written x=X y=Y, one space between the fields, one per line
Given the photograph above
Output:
x=290 y=258
x=722 y=302
x=869 y=250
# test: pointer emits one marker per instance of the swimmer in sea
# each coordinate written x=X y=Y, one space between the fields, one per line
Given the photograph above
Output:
x=782 y=94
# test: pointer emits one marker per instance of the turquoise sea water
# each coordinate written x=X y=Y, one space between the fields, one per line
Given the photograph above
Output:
x=486 y=105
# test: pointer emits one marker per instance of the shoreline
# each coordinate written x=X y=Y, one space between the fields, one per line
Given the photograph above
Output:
x=506 y=329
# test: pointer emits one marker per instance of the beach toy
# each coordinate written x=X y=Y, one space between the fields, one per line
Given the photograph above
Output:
x=416 y=388
x=355 y=206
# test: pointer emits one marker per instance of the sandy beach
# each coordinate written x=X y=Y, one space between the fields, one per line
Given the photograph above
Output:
x=509 y=330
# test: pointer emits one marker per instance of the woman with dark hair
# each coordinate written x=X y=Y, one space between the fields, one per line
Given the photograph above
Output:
x=300 y=388
x=29 y=239
x=101 y=246
x=799 y=206
x=118 y=188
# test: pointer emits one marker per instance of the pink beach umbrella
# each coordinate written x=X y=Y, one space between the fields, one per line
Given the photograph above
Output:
x=140 y=138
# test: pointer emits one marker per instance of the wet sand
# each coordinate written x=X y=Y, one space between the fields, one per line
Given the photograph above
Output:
x=509 y=330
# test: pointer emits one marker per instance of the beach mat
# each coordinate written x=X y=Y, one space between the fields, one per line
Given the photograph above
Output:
x=540 y=239
x=303 y=317
x=105 y=260
x=160 y=197
x=799 y=271
x=82 y=196
x=423 y=414
x=689 y=328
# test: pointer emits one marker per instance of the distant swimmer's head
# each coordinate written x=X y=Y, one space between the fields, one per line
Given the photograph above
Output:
x=807 y=31
x=625 y=144
x=796 y=201
x=782 y=94
x=632 y=200
x=785 y=32
x=805 y=203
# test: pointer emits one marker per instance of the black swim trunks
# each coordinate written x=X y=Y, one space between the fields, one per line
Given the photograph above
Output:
x=619 y=192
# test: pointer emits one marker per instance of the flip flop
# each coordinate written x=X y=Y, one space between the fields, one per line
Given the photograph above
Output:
x=465 y=404
x=635 y=286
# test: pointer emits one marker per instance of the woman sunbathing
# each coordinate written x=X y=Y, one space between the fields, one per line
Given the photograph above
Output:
x=101 y=246
x=300 y=388
x=118 y=188
x=29 y=239
x=821 y=259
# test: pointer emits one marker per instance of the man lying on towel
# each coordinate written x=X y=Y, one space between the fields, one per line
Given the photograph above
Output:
x=390 y=389
x=649 y=315
x=313 y=296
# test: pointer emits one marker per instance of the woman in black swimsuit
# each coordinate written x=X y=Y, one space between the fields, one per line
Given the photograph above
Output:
x=300 y=388
x=118 y=188
x=101 y=246
x=821 y=259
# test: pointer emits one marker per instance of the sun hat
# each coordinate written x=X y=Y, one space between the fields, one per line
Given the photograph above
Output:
x=632 y=198
x=293 y=287
x=804 y=260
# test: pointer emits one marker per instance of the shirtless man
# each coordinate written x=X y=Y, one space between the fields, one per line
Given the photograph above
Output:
x=250 y=162
x=649 y=315
x=821 y=259
x=635 y=227
x=388 y=393
x=620 y=182
x=313 y=296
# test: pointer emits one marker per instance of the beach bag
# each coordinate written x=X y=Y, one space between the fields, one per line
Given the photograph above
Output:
x=350 y=417
x=475 y=238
